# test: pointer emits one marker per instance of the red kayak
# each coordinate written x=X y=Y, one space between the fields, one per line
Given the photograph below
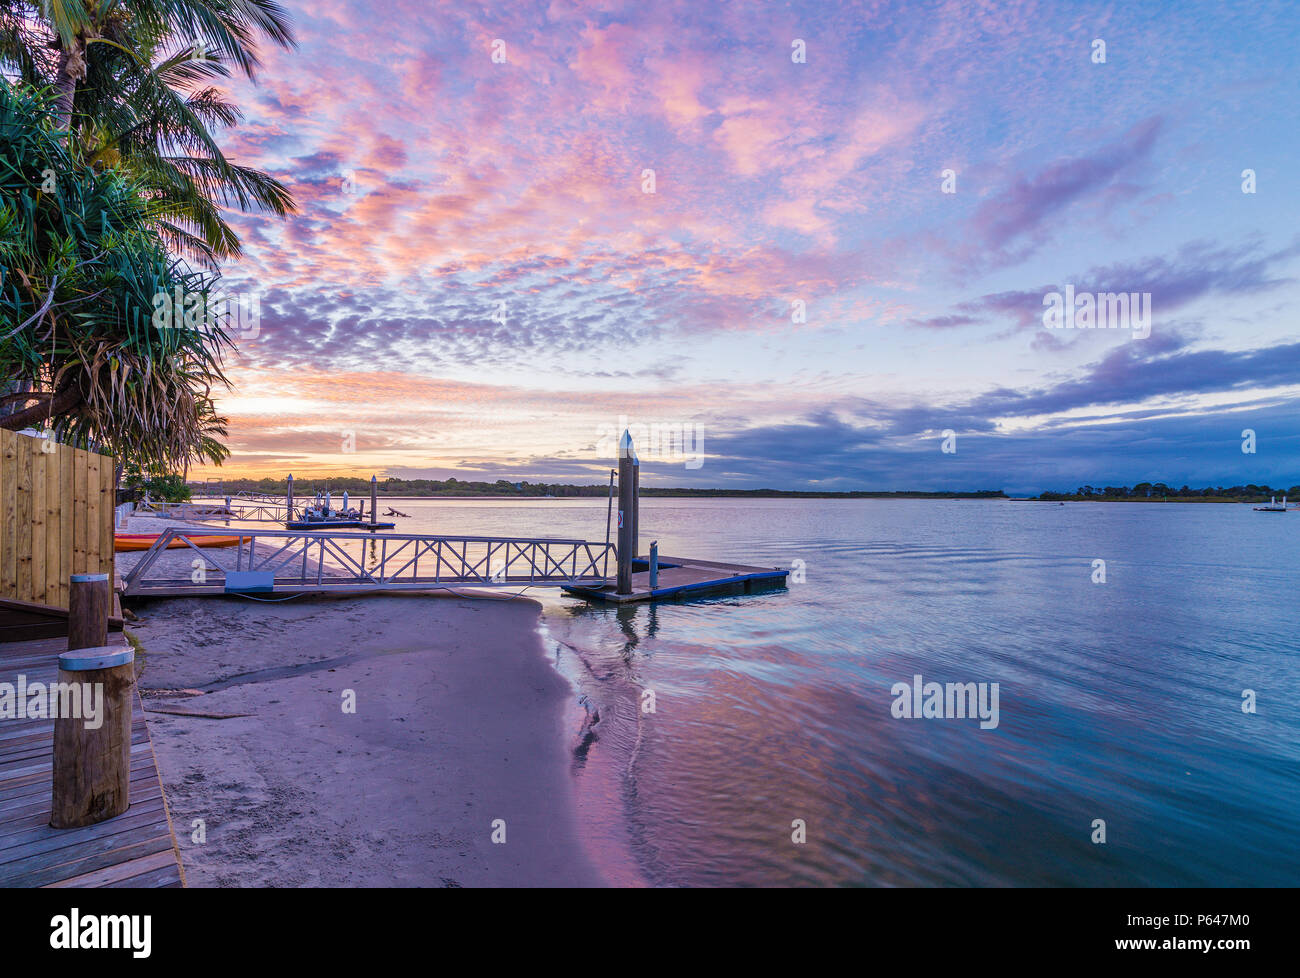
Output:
x=143 y=541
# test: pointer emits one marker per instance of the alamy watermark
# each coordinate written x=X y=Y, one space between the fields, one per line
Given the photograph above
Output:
x=1098 y=310
x=53 y=701
x=670 y=441
x=238 y=313
x=946 y=701
x=75 y=931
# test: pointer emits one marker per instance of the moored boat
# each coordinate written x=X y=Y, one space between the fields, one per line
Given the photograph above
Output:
x=322 y=515
x=1273 y=506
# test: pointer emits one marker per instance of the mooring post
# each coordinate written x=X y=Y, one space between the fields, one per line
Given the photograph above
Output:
x=626 y=504
x=374 y=499
x=92 y=736
x=288 y=498
x=89 y=602
x=654 y=565
x=636 y=504
x=609 y=506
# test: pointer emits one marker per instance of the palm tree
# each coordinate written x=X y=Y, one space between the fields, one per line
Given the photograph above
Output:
x=130 y=79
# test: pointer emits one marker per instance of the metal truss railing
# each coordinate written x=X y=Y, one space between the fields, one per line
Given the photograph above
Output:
x=334 y=561
x=262 y=512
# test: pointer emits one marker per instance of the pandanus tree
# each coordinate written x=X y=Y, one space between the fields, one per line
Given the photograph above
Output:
x=113 y=98
x=80 y=267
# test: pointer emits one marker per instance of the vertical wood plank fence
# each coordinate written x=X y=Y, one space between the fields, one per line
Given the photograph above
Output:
x=56 y=517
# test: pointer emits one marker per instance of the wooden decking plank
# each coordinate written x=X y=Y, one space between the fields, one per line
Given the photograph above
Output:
x=31 y=732
x=41 y=788
x=30 y=784
x=42 y=838
x=23 y=769
x=109 y=837
x=166 y=875
x=18 y=749
x=37 y=665
x=36 y=826
x=39 y=805
x=44 y=868
x=122 y=873
x=26 y=728
x=16 y=741
x=15 y=745
x=52 y=645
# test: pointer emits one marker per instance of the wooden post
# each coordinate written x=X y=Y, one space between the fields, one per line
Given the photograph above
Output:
x=625 y=504
x=636 y=504
x=609 y=505
x=374 y=499
x=89 y=602
x=92 y=736
x=654 y=565
x=288 y=498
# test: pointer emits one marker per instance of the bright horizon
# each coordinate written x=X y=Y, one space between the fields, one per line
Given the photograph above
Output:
x=478 y=284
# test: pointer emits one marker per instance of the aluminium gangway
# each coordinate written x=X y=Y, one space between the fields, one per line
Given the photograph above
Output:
x=245 y=510
x=343 y=562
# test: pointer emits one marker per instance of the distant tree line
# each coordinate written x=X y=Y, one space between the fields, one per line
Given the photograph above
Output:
x=1158 y=490
x=503 y=487
x=355 y=486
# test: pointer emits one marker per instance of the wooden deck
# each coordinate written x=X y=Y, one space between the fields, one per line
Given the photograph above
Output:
x=682 y=578
x=22 y=621
x=137 y=848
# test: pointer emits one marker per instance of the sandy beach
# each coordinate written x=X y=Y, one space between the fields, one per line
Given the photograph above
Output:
x=459 y=721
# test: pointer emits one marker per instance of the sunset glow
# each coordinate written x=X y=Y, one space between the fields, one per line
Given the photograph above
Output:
x=478 y=279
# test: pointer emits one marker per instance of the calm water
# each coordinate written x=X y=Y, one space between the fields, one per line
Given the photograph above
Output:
x=1119 y=701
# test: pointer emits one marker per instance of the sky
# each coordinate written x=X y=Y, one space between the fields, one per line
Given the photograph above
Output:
x=817 y=238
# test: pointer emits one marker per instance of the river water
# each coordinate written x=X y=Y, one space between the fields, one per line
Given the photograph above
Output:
x=732 y=727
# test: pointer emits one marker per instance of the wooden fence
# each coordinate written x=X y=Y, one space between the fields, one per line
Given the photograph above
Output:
x=56 y=517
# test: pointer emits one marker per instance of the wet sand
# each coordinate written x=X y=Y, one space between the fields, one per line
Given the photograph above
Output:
x=459 y=721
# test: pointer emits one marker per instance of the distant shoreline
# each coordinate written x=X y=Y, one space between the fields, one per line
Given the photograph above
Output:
x=647 y=493
x=392 y=488
x=1162 y=499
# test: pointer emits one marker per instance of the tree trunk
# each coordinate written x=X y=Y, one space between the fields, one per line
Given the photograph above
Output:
x=62 y=402
x=7 y=404
x=72 y=68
